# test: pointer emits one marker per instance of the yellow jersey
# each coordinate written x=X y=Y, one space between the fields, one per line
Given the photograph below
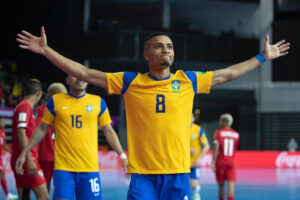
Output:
x=158 y=116
x=76 y=121
x=198 y=137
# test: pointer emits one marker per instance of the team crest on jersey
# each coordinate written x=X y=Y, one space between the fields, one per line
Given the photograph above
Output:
x=198 y=72
x=176 y=86
x=193 y=136
x=89 y=108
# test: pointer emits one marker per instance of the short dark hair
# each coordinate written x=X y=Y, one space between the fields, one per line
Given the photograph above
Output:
x=152 y=35
x=32 y=87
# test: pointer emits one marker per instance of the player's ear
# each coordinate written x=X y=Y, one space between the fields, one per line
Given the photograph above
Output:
x=146 y=55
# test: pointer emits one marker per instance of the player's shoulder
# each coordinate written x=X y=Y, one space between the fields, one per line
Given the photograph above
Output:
x=24 y=104
x=196 y=126
x=60 y=96
x=93 y=96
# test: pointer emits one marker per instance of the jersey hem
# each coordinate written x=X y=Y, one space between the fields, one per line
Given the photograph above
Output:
x=159 y=172
x=77 y=170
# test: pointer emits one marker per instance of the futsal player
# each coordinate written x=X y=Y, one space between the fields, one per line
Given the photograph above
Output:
x=223 y=162
x=198 y=139
x=23 y=126
x=158 y=108
x=46 y=147
x=76 y=116
x=2 y=173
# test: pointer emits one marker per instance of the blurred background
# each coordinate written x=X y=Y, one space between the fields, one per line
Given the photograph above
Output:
x=209 y=34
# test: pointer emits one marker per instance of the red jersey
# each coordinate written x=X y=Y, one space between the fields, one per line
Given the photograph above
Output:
x=2 y=139
x=228 y=140
x=22 y=118
x=46 y=147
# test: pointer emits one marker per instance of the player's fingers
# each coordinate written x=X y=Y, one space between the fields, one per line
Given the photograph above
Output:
x=27 y=34
x=42 y=30
x=284 y=45
x=23 y=37
x=267 y=39
x=22 y=41
x=280 y=43
x=284 y=49
x=284 y=53
x=23 y=46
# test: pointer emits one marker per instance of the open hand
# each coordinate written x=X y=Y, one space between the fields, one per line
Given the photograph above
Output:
x=31 y=42
x=19 y=164
x=276 y=50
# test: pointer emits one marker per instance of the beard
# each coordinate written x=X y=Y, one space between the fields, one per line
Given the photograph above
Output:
x=166 y=64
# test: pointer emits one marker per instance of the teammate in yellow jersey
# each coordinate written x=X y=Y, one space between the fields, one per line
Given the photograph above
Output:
x=158 y=109
x=198 y=138
x=76 y=116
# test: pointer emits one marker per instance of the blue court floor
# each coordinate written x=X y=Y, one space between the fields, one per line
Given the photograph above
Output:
x=252 y=184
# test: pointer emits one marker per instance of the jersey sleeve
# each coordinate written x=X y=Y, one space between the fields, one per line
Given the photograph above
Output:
x=201 y=81
x=104 y=117
x=118 y=83
x=24 y=113
x=49 y=113
x=202 y=136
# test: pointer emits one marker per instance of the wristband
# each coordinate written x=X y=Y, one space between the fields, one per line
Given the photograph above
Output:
x=123 y=156
x=261 y=58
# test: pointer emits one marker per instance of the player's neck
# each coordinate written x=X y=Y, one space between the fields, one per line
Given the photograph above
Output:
x=31 y=100
x=160 y=73
x=77 y=93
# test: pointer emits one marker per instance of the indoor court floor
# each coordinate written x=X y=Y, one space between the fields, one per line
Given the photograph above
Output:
x=252 y=184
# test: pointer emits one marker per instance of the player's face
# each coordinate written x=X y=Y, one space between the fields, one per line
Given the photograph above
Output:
x=222 y=123
x=159 y=52
x=76 y=84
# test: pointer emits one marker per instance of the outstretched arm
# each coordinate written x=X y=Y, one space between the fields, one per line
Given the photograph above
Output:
x=113 y=141
x=35 y=139
x=270 y=52
x=39 y=45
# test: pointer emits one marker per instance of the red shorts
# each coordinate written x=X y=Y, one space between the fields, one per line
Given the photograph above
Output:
x=47 y=167
x=225 y=172
x=26 y=181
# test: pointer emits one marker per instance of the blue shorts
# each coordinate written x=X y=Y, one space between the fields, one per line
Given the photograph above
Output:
x=82 y=185
x=195 y=173
x=159 y=187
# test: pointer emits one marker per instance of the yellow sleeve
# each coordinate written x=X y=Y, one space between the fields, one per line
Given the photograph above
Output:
x=204 y=80
x=104 y=119
x=203 y=138
x=49 y=114
x=114 y=82
x=48 y=118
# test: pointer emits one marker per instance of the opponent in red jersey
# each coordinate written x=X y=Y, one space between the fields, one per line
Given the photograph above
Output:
x=46 y=147
x=223 y=163
x=3 y=146
x=23 y=126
